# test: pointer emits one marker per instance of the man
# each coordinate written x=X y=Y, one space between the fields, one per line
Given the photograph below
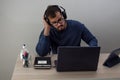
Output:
x=61 y=32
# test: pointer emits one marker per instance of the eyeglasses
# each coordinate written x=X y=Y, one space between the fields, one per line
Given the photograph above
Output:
x=56 y=22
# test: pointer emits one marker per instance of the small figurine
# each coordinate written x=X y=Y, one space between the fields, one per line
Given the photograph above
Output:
x=25 y=56
x=25 y=59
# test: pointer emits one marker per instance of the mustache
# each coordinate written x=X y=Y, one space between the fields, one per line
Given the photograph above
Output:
x=60 y=26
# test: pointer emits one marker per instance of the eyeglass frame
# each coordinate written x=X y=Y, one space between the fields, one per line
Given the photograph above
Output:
x=59 y=21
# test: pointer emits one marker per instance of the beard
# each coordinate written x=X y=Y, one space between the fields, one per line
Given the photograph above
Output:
x=61 y=27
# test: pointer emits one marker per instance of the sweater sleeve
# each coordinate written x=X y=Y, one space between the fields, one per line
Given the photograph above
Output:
x=43 y=45
x=88 y=37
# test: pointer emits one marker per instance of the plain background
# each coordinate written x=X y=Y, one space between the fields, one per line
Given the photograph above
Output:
x=21 y=22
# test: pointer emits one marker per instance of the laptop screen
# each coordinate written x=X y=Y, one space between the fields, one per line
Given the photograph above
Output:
x=76 y=58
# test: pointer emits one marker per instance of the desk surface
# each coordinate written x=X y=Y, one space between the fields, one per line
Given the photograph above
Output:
x=103 y=73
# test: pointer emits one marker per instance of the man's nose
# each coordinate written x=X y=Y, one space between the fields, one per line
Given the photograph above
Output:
x=58 y=24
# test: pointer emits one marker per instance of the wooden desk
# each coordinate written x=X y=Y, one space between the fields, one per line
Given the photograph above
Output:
x=103 y=73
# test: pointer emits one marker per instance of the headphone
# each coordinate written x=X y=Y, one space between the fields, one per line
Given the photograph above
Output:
x=62 y=10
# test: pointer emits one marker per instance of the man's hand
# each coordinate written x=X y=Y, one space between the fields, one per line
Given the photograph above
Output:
x=46 y=27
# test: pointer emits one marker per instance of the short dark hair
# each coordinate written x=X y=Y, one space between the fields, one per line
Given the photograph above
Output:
x=51 y=10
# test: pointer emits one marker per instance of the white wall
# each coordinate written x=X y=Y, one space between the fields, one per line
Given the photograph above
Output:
x=20 y=22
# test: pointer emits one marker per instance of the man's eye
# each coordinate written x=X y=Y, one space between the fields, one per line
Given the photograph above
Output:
x=54 y=22
x=59 y=20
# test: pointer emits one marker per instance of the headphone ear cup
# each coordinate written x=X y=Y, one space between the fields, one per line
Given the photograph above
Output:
x=64 y=15
x=47 y=20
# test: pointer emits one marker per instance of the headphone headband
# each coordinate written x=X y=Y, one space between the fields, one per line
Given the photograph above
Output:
x=63 y=12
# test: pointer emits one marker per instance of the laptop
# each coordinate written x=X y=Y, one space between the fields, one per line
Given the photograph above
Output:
x=76 y=58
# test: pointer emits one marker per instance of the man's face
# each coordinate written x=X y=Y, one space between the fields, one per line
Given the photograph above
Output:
x=58 y=22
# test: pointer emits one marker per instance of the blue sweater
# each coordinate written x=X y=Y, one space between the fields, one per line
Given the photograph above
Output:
x=71 y=36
